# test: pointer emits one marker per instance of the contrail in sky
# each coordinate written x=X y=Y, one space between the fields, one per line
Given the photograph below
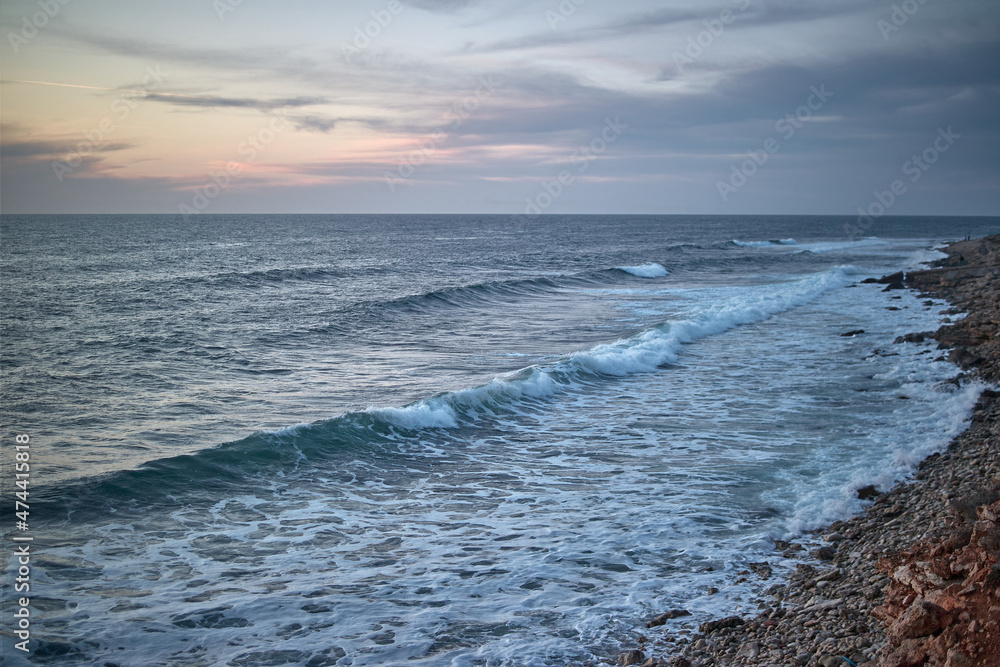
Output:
x=123 y=90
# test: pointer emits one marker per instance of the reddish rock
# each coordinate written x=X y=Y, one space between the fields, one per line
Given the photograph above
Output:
x=958 y=659
x=940 y=607
x=919 y=620
x=909 y=654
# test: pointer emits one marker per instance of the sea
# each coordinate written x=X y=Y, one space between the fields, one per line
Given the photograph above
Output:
x=441 y=440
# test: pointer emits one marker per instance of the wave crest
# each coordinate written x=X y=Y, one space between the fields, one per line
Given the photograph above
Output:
x=648 y=270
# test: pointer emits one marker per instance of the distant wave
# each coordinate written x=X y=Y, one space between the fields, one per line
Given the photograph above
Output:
x=833 y=246
x=764 y=244
x=485 y=293
x=462 y=295
x=648 y=270
x=252 y=278
x=818 y=247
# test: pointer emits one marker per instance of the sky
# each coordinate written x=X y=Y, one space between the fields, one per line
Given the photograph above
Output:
x=517 y=107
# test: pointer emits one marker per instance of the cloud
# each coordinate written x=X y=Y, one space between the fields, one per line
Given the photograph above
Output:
x=657 y=19
x=215 y=101
x=34 y=149
x=313 y=123
x=558 y=86
x=643 y=22
x=209 y=57
x=440 y=5
x=19 y=149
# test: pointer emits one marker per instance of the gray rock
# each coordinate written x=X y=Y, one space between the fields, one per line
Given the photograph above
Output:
x=824 y=553
x=663 y=618
x=868 y=492
x=728 y=622
x=633 y=657
x=748 y=650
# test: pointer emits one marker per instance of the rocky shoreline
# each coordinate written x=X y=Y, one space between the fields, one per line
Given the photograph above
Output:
x=915 y=580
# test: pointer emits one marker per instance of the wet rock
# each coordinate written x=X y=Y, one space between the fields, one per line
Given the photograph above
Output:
x=914 y=337
x=868 y=492
x=663 y=618
x=762 y=569
x=964 y=359
x=722 y=623
x=633 y=657
x=852 y=333
x=823 y=553
x=893 y=281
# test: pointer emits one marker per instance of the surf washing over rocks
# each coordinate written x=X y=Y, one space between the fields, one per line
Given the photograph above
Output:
x=456 y=443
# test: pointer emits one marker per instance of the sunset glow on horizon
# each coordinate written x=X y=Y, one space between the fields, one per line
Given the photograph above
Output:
x=446 y=106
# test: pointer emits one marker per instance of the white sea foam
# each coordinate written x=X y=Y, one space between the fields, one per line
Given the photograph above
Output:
x=818 y=247
x=429 y=413
x=823 y=247
x=287 y=430
x=764 y=244
x=649 y=270
x=924 y=417
x=920 y=258
x=641 y=353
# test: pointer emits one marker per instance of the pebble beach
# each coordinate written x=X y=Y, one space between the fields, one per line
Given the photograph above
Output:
x=915 y=580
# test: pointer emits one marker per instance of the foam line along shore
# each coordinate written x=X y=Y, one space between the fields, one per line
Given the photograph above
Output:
x=915 y=579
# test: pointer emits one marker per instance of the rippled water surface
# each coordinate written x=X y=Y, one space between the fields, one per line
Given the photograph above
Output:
x=341 y=440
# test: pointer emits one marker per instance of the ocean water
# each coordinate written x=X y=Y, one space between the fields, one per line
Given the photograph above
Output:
x=452 y=440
